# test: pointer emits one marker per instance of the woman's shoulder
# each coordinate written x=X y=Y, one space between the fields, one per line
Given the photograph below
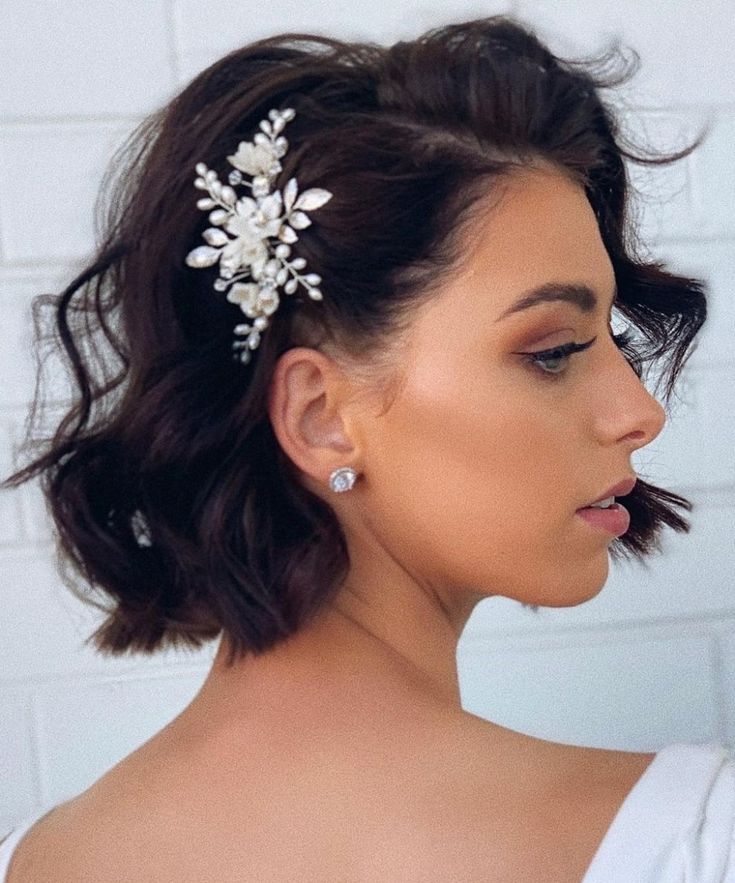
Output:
x=23 y=832
x=466 y=812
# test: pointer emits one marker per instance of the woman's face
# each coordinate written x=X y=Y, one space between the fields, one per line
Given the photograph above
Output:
x=473 y=475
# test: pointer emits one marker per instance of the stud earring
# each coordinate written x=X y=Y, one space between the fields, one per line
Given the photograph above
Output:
x=342 y=479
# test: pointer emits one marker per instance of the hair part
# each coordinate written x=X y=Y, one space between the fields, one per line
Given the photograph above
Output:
x=168 y=489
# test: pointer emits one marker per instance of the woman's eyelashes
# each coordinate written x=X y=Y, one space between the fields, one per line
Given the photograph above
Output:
x=563 y=353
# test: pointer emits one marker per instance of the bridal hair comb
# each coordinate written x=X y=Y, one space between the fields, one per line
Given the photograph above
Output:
x=252 y=235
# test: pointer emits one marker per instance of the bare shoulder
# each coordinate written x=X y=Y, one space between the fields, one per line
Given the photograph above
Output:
x=530 y=809
x=30 y=859
x=570 y=775
x=451 y=801
x=553 y=765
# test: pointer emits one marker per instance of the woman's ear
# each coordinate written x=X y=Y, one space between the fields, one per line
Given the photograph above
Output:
x=309 y=411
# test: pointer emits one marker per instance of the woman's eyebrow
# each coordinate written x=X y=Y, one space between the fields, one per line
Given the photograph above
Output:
x=581 y=296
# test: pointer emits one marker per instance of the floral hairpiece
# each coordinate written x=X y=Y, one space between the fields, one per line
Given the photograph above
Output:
x=260 y=227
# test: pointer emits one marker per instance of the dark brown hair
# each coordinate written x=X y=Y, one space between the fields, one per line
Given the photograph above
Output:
x=164 y=479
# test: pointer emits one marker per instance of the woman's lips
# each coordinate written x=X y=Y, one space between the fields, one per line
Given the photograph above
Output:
x=615 y=520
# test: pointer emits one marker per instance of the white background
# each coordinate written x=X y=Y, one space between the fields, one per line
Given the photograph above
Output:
x=650 y=661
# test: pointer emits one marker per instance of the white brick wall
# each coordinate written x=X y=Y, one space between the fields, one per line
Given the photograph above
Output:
x=649 y=661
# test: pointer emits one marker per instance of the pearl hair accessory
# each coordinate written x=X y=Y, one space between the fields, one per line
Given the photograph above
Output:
x=255 y=224
x=342 y=480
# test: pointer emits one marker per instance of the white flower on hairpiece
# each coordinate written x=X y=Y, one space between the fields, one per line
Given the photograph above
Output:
x=242 y=230
x=256 y=159
x=253 y=300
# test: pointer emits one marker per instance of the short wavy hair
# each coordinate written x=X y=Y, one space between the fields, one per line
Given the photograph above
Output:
x=166 y=484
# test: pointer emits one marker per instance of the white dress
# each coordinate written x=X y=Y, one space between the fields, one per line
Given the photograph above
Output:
x=676 y=825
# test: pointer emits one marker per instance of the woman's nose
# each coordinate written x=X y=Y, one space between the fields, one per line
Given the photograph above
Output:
x=650 y=414
x=650 y=426
x=643 y=415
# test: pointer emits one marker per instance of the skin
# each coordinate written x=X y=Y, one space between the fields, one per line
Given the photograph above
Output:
x=469 y=483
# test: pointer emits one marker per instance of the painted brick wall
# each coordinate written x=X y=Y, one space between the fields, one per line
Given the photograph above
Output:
x=650 y=661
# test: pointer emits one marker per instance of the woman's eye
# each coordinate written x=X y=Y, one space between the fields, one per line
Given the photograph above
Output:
x=556 y=358
x=562 y=354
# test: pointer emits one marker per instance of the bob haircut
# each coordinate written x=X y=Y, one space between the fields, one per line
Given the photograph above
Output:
x=167 y=486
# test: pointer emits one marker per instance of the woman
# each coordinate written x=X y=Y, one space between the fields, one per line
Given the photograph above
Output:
x=416 y=411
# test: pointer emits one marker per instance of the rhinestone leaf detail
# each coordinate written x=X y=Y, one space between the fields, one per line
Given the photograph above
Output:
x=251 y=235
